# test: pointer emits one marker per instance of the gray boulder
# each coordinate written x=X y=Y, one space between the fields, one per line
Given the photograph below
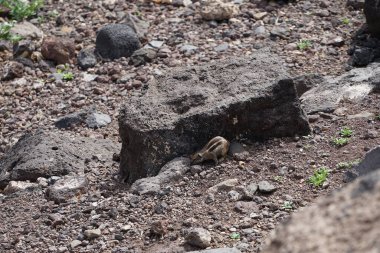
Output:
x=180 y=111
x=370 y=163
x=372 y=15
x=353 y=85
x=116 y=40
x=90 y=116
x=51 y=154
x=345 y=221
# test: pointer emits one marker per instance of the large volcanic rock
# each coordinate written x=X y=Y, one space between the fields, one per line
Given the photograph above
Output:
x=372 y=14
x=251 y=97
x=116 y=40
x=346 y=221
x=52 y=154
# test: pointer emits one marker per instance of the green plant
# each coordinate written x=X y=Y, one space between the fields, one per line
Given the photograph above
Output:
x=346 y=21
x=53 y=14
x=278 y=179
x=346 y=132
x=340 y=142
x=288 y=205
x=5 y=32
x=319 y=177
x=67 y=76
x=64 y=71
x=22 y=9
x=377 y=117
x=235 y=236
x=304 y=44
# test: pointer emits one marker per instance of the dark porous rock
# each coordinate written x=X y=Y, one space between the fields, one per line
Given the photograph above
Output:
x=142 y=56
x=370 y=163
x=67 y=188
x=362 y=56
x=59 y=50
x=45 y=154
x=335 y=223
x=116 y=40
x=353 y=86
x=179 y=112
x=172 y=171
x=86 y=58
x=372 y=15
x=12 y=70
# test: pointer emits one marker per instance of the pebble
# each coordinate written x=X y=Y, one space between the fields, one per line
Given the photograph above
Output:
x=266 y=187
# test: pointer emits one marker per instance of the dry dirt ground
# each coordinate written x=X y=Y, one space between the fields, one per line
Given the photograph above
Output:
x=32 y=224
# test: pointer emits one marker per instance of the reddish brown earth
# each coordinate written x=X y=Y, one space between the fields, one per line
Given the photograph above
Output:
x=29 y=221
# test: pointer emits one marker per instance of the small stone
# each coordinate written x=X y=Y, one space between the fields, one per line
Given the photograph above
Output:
x=97 y=120
x=75 y=244
x=86 y=58
x=159 y=227
x=92 y=233
x=221 y=47
x=279 y=31
x=260 y=30
x=59 y=50
x=218 y=10
x=233 y=195
x=266 y=187
x=362 y=115
x=198 y=237
x=62 y=249
x=119 y=237
x=156 y=43
x=188 y=49
x=371 y=134
x=226 y=185
x=209 y=198
x=260 y=15
x=143 y=56
x=12 y=70
x=125 y=228
x=15 y=186
x=26 y=29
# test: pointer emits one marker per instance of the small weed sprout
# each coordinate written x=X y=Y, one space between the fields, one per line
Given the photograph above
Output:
x=304 y=44
x=346 y=21
x=235 y=236
x=319 y=177
x=288 y=205
x=68 y=76
x=340 y=142
x=346 y=132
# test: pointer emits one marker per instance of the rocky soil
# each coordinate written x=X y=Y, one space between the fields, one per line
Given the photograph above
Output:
x=108 y=218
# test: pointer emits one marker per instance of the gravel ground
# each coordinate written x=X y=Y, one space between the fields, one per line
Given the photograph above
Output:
x=32 y=224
